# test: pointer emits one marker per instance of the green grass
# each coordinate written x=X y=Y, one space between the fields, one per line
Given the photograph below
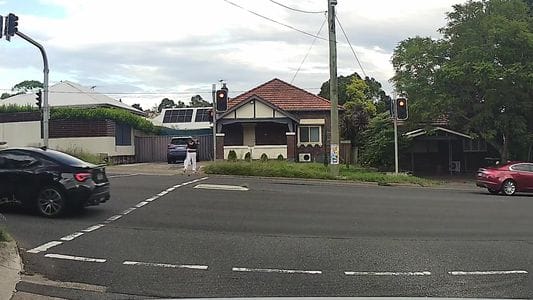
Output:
x=309 y=171
x=4 y=236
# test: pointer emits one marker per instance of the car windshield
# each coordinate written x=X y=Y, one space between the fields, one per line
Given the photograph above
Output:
x=267 y=148
x=180 y=141
x=65 y=159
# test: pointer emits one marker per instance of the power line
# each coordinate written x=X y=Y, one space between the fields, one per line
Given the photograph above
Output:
x=298 y=10
x=309 y=50
x=353 y=51
x=277 y=22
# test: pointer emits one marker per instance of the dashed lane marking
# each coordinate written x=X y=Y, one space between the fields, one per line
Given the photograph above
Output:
x=93 y=228
x=76 y=258
x=283 y=271
x=70 y=237
x=424 y=273
x=44 y=247
x=162 y=265
x=459 y=273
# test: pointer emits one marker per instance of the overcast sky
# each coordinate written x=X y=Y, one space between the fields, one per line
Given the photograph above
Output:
x=142 y=51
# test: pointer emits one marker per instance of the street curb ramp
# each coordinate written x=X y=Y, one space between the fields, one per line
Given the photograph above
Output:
x=10 y=268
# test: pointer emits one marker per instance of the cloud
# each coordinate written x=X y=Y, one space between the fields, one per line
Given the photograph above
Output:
x=181 y=47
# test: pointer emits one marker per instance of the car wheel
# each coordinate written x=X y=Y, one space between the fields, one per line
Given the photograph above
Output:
x=494 y=192
x=50 y=202
x=509 y=187
x=169 y=161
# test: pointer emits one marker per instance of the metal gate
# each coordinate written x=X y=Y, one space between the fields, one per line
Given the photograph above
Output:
x=154 y=148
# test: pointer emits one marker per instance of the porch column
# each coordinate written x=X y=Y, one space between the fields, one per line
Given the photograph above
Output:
x=291 y=146
x=220 y=146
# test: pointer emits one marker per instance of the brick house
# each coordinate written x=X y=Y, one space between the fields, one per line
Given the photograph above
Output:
x=275 y=118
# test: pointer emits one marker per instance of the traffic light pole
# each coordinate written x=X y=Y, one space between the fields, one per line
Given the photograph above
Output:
x=395 y=121
x=46 y=108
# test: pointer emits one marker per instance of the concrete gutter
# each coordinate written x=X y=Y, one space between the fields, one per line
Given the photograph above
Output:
x=10 y=268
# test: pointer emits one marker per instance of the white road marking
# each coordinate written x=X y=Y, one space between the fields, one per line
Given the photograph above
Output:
x=275 y=271
x=114 y=218
x=93 y=228
x=458 y=273
x=163 y=193
x=424 y=273
x=122 y=175
x=221 y=187
x=70 y=237
x=127 y=211
x=76 y=258
x=138 y=263
x=44 y=247
x=151 y=199
x=141 y=204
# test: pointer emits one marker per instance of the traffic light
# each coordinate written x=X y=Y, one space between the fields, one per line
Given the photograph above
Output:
x=401 y=109
x=12 y=24
x=39 y=99
x=222 y=100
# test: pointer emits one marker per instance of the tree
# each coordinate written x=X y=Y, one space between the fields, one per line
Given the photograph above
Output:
x=27 y=86
x=478 y=74
x=197 y=101
x=137 y=106
x=166 y=103
x=5 y=95
x=373 y=91
x=352 y=124
x=378 y=149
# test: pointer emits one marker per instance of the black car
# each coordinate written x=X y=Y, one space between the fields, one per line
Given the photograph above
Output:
x=50 y=181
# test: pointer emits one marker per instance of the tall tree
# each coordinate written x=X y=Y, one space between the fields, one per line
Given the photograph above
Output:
x=137 y=106
x=198 y=101
x=166 y=103
x=478 y=74
x=27 y=86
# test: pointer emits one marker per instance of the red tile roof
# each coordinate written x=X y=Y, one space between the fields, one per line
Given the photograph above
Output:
x=285 y=96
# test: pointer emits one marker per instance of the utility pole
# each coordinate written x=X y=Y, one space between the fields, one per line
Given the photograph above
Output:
x=333 y=91
x=46 y=107
x=213 y=92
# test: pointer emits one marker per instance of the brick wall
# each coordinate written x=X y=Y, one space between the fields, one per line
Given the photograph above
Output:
x=20 y=117
x=81 y=128
x=318 y=153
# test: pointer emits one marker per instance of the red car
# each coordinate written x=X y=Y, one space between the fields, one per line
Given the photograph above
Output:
x=507 y=178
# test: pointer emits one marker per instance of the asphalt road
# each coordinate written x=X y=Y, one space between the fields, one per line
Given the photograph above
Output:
x=280 y=238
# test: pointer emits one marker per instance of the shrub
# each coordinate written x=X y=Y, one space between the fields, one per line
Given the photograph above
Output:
x=13 y=108
x=248 y=157
x=232 y=156
x=280 y=157
x=264 y=157
x=117 y=115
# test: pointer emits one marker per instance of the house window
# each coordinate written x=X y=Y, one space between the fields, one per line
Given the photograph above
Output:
x=122 y=135
x=474 y=145
x=178 y=116
x=310 y=135
x=202 y=115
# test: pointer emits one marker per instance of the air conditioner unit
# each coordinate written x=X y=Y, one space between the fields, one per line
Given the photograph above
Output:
x=455 y=166
x=304 y=157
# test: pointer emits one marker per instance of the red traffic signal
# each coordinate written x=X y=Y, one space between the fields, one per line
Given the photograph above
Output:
x=401 y=109
x=222 y=100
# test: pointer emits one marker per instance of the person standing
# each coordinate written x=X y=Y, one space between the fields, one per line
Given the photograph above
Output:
x=191 y=156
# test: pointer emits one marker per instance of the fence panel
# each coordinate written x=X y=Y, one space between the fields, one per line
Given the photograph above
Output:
x=154 y=148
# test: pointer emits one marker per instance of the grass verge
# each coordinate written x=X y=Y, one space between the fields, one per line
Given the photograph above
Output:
x=310 y=171
x=4 y=236
x=83 y=155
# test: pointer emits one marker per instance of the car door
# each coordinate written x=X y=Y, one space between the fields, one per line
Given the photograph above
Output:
x=6 y=184
x=521 y=175
x=18 y=173
x=529 y=177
